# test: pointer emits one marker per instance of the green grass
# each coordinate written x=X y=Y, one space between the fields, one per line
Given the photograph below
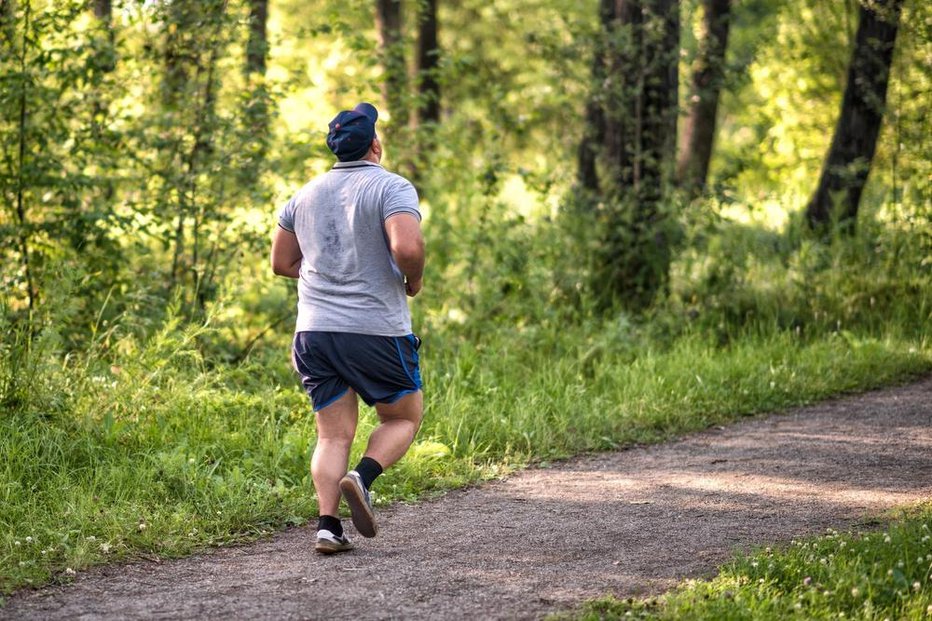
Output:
x=164 y=455
x=872 y=574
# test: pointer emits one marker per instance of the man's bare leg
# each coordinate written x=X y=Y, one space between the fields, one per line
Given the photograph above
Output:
x=336 y=428
x=398 y=424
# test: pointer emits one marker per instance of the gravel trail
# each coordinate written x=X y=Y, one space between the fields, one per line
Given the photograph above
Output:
x=631 y=523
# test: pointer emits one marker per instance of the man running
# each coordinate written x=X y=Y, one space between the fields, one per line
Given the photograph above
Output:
x=352 y=239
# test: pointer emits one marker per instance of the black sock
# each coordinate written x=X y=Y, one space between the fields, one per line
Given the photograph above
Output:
x=368 y=470
x=328 y=522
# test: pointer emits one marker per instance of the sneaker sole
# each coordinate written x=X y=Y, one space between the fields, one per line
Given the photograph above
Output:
x=363 y=518
x=326 y=547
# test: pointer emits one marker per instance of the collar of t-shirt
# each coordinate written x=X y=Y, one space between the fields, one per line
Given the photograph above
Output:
x=354 y=164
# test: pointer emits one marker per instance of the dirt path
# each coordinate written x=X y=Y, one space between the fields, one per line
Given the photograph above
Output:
x=630 y=523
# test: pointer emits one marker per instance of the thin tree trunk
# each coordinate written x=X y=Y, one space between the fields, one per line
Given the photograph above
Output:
x=257 y=47
x=174 y=83
x=203 y=146
x=389 y=21
x=427 y=62
x=22 y=223
x=103 y=11
x=848 y=162
x=256 y=111
x=176 y=75
x=106 y=61
x=699 y=129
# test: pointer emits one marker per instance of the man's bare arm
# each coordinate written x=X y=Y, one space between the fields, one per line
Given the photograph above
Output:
x=407 y=247
x=286 y=254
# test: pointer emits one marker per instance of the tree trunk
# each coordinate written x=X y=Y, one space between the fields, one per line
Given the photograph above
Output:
x=428 y=61
x=178 y=19
x=389 y=21
x=427 y=114
x=848 y=162
x=594 y=122
x=623 y=88
x=256 y=110
x=257 y=47
x=106 y=58
x=657 y=121
x=103 y=11
x=21 y=218
x=699 y=130
x=640 y=112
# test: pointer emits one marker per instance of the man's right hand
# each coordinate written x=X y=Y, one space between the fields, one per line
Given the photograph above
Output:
x=412 y=287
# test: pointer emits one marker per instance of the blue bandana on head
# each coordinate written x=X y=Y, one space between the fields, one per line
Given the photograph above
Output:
x=352 y=131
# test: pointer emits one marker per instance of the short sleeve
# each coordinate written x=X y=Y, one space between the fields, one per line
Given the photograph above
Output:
x=286 y=216
x=401 y=197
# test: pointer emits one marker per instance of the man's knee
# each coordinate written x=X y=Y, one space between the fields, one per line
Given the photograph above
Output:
x=336 y=441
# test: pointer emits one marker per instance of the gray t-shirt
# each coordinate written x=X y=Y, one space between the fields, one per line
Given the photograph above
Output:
x=349 y=281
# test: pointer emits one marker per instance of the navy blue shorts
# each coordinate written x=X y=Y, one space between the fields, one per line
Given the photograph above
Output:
x=381 y=369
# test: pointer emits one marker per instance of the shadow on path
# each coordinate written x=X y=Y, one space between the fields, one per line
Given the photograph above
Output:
x=630 y=523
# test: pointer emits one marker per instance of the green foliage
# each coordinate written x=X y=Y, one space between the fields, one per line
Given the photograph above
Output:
x=869 y=574
x=788 y=62
x=55 y=154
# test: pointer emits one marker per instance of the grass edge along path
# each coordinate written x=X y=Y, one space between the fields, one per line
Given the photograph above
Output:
x=881 y=572
x=101 y=500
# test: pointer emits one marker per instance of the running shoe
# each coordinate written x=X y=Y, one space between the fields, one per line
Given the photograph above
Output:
x=328 y=543
x=360 y=505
